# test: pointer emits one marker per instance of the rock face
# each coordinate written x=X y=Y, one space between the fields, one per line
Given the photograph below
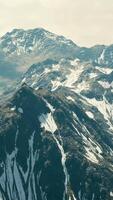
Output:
x=51 y=149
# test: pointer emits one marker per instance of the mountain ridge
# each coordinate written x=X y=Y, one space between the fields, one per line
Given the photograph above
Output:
x=47 y=135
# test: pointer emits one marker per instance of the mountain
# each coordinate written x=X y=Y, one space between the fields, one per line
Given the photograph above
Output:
x=56 y=121
x=34 y=41
x=51 y=149
x=24 y=47
x=21 y=48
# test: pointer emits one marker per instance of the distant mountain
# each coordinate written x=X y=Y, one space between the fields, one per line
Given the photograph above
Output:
x=19 y=49
x=22 y=48
x=19 y=42
x=52 y=149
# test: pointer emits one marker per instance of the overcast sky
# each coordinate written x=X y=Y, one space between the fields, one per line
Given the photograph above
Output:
x=86 y=22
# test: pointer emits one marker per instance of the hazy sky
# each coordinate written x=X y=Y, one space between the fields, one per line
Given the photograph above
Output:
x=87 y=22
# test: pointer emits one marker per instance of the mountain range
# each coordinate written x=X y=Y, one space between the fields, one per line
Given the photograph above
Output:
x=21 y=48
x=56 y=118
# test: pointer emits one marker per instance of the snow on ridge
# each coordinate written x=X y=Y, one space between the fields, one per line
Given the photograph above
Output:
x=23 y=80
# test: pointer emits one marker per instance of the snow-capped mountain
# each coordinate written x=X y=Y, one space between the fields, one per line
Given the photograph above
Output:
x=25 y=47
x=34 y=41
x=21 y=48
x=51 y=149
x=56 y=127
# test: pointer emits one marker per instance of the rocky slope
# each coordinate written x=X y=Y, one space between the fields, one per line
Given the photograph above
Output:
x=52 y=150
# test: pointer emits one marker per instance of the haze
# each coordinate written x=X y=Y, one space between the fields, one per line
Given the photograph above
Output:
x=86 y=22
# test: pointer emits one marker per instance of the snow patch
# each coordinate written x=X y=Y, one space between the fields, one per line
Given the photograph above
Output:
x=90 y=114
x=101 y=58
x=73 y=76
x=105 y=85
x=90 y=155
x=49 y=106
x=23 y=80
x=81 y=86
x=75 y=62
x=55 y=85
x=104 y=70
x=92 y=75
x=20 y=110
x=34 y=83
x=13 y=108
x=56 y=67
x=70 y=98
x=48 y=122
x=111 y=194
x=104 y=108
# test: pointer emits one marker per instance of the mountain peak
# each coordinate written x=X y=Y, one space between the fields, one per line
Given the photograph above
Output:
x=20 y=41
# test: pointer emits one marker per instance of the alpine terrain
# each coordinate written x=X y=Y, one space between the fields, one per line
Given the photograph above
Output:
x=56 y=118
